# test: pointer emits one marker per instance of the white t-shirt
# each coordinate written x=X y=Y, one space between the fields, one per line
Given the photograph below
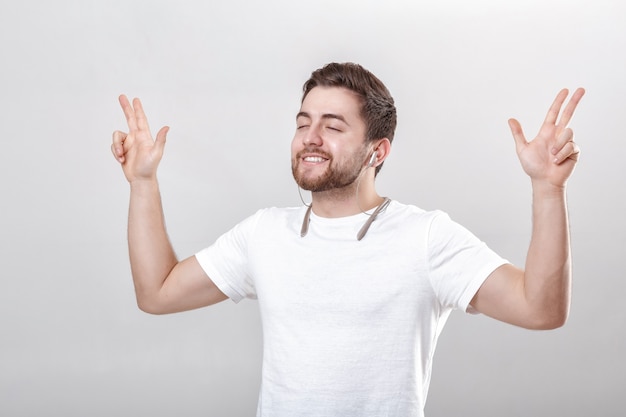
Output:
x=349 y=327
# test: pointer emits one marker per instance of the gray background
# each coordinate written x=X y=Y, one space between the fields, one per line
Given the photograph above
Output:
x=226 y=76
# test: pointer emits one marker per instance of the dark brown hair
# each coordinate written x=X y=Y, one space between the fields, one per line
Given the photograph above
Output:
x=377 y=106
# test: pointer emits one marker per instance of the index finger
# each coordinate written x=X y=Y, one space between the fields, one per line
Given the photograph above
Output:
x=568 y=112
x=128 y=112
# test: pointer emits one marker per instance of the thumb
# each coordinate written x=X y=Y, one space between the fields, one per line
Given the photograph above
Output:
x=161 y=138
x=518 y=133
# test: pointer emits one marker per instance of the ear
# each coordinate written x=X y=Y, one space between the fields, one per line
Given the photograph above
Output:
x=382 y=148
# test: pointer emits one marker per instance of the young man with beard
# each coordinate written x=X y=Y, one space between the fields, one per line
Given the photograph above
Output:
x=355 y=289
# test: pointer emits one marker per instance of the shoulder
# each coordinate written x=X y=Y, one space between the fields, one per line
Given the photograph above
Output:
x=400 y=212
x=273 y=214
x=274 y=219
x=432 y=225
x=279 y=214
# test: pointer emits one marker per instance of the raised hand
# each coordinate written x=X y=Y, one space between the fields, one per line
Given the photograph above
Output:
x=550 y=157
x=138 y=153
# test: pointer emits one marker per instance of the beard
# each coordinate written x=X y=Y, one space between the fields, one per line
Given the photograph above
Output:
x=336 y=176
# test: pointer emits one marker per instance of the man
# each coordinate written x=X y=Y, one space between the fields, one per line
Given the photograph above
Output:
x=355 y=288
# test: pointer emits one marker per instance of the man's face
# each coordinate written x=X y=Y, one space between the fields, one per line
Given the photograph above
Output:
x=328 y=150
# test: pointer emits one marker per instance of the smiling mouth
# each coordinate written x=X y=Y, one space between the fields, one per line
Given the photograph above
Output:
x=314 y=159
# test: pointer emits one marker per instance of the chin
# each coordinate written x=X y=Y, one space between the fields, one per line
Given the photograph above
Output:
x=311 y=183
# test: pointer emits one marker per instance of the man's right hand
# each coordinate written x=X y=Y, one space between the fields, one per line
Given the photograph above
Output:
x=138 y=153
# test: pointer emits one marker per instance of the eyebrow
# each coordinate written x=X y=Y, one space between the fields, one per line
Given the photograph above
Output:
x=324 y=116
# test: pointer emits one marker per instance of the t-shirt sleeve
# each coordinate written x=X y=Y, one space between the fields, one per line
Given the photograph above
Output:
x=459 y=262
x=226 y=261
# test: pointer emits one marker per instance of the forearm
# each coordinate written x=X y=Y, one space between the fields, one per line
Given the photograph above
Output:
x=547 y=277
x=151 y=254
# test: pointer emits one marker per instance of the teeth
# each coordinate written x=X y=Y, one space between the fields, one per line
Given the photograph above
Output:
x=314 y=159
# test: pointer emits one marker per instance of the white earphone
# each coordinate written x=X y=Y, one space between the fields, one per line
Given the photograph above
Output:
x=372 y=159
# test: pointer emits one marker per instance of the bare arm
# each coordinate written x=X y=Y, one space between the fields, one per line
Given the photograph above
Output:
x=162 y=283
x=538 y=297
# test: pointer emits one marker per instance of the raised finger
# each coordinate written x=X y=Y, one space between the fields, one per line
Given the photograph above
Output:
x=129 y=112
x=140 y=115
x=555 y=108
x=568 y=112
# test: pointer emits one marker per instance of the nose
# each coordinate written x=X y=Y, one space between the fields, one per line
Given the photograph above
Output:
x=312 y=136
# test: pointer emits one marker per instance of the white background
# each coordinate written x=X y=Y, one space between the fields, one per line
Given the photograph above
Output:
x=227 y=77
